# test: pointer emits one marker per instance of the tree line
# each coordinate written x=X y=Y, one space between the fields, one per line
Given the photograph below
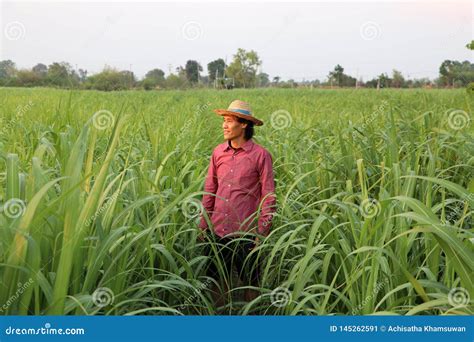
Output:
x=242 y=72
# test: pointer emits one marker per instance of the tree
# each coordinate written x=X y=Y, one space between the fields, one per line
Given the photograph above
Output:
x=174 y=81
x=27 y=78
x=446 y=70
x=455 y=73
x=381 y=81
x=61 y=74
x=341 y=79
x=384 y=81
x=111 y=79
x=397 y=79
x=82 y=75
x=128 y=78
x=156 y=75
x=40 y=69
x=470 y=45
x=337 y=75
x=7 y=69
x=263 y=79
x=244 y=68
x=216 y=67
x=153 y=78
x=192 y=69
x=420 y=82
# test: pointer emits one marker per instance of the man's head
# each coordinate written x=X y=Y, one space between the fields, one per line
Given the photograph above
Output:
x=234 y=127
x=238 y=120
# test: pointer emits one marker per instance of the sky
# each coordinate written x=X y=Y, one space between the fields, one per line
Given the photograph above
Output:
x=301 y=41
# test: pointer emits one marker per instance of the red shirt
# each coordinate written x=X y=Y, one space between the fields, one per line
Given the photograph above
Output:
x=239 y=180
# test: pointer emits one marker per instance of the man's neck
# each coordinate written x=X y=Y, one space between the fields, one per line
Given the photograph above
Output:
x=237 y=142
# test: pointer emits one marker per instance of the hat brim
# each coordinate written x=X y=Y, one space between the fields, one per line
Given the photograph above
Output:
x=222 y=112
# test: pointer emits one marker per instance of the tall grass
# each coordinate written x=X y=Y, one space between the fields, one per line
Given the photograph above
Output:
x=375 y=197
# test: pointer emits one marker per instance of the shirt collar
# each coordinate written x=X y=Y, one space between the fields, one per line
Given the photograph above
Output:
x=247 y=146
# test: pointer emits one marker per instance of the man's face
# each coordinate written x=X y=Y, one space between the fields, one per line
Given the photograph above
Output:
x=232 y=128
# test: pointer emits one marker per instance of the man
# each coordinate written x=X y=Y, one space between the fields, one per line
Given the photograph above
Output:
x=239 y=182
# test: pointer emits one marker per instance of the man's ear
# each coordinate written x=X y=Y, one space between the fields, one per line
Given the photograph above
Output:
x=244 y=124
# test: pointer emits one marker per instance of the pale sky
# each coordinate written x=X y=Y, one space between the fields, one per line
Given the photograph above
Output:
x=302 y=40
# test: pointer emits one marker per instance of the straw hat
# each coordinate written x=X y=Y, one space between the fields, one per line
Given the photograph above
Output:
x=240 y=109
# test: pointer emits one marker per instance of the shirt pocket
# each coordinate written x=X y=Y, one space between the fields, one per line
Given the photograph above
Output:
x=247 y=176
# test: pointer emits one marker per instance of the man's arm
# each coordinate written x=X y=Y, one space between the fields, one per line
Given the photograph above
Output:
x=268 y=199
x=209 y=186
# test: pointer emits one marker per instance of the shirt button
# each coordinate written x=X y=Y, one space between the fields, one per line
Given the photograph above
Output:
x=231 y=170
x=228 y=185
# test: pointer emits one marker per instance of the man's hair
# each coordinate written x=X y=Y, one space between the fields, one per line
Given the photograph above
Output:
x=248 y=129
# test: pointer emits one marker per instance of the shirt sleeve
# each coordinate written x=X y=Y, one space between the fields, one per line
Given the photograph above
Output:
x=268 y=199
x=210 y=186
